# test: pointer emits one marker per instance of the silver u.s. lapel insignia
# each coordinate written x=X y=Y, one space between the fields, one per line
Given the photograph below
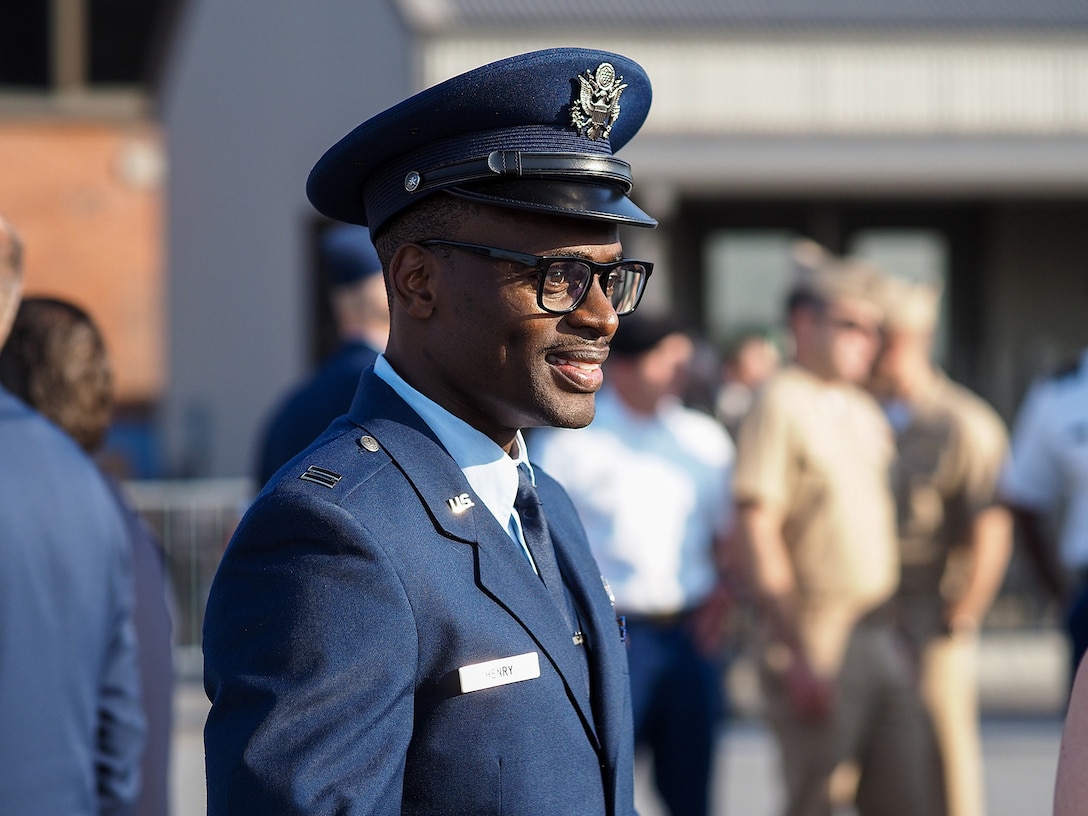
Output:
x=597 y=107
x=459 y=504
x=608 y=590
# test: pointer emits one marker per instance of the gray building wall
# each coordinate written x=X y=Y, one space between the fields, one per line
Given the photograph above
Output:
x=251 y=96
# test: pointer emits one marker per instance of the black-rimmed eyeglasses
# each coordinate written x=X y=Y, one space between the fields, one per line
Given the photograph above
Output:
x=565 y=280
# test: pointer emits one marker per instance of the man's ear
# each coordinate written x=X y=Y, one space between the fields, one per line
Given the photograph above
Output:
x=412 y=278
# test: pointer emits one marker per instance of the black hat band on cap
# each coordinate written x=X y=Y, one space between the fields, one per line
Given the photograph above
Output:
x=605 y=169
x=528 y=152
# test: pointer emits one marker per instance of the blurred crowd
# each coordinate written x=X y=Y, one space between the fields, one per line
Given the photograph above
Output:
x=833 y=505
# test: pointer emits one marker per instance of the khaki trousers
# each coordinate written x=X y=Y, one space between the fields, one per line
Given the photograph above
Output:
x=879 y=726
x=950 y=690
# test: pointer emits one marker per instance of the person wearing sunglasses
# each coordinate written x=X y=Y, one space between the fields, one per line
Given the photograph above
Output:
x=409 y=619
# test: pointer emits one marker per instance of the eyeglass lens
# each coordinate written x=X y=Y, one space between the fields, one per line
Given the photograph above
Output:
x=565 y=284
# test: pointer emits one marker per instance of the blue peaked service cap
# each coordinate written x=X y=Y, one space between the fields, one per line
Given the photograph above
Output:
x=348 y=255
x=533 y=132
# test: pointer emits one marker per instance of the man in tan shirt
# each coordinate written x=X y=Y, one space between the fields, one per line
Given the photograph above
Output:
x=955 y=538
x=818 y=545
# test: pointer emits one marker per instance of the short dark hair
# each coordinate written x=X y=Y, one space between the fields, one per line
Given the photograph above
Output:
x=55 y=360
x=801 y=298
x=736 y=340
x=438 y=216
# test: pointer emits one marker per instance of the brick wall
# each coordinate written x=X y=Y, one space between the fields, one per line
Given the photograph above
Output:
x=87 y=199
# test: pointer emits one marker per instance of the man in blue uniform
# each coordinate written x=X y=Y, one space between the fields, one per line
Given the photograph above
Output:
x=1044 y=482
x=71 y=731
x=402 y=623
x=361 y=314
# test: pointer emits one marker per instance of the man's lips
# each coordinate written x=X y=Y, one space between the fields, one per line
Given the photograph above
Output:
x=581 y=367
x=585 y=365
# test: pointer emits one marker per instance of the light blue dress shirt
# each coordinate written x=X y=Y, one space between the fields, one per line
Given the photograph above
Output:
x=491 y=473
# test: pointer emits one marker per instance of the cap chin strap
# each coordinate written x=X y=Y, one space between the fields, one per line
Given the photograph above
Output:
x=520 y=163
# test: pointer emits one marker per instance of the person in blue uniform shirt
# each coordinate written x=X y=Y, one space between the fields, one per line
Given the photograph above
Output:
x=55 y=360
x=403 y=623
x=361 y=313
x=71 y=730
x=1045 y=484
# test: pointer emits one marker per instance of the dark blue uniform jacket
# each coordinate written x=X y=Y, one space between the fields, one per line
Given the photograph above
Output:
x=341 y=613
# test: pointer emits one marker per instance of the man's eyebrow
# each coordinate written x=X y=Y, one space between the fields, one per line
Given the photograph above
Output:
x=579 y=253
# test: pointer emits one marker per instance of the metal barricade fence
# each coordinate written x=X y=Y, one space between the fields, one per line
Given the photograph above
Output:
x=194 y=520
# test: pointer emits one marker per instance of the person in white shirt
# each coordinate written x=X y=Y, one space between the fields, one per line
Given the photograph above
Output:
x=650 y=480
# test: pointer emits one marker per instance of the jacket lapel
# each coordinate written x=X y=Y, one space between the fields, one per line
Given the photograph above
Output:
x=606 y=650
x=507 y=577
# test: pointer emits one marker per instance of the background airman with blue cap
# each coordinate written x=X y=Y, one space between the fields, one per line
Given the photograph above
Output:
x=395 y=627
x=360 y=312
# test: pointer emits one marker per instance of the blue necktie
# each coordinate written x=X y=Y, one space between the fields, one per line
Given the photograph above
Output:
x=535 y=529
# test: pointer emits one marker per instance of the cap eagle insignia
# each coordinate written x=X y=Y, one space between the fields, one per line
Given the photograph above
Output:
x=598 y=103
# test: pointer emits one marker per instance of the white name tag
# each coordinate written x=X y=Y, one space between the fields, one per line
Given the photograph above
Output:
x=499 y=672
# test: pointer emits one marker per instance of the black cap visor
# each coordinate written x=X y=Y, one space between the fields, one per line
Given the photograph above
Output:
x=577 y=199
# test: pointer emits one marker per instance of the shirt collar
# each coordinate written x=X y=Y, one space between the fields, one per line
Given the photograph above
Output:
x=490 y=472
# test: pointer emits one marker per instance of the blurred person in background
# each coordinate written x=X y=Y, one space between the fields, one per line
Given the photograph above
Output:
x=1046 y=485
x=750 y=358
x=360 y=309
x=71 y=728
x=703 y=377
x=56 y=361
x=649 y=478
x=955 y=537
x=817 y=541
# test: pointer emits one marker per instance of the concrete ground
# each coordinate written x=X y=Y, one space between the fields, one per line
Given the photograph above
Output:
x=1020 y=756
x=1022 y=684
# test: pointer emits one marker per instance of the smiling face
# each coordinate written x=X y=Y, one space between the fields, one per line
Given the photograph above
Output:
x=469 y=334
